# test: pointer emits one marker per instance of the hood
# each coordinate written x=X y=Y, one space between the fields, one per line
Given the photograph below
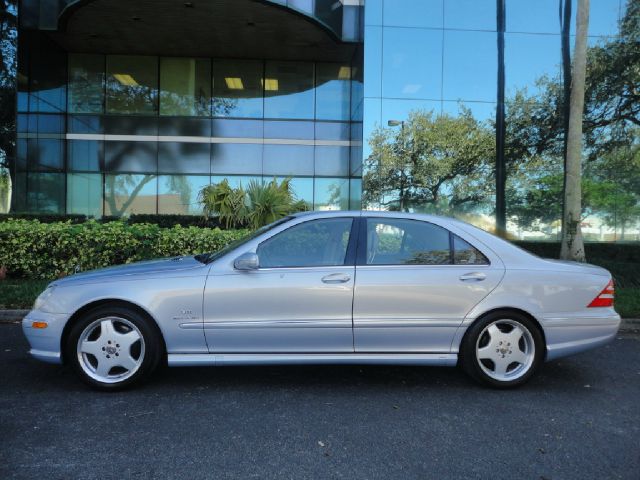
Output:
x=175 y=266
x=569 y=266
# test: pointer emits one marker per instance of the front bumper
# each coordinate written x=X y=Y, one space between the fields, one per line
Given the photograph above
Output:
x=567 y=335
x=45 y=342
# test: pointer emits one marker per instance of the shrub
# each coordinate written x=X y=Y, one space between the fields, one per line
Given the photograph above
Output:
x=162 y=220
x=32 y=249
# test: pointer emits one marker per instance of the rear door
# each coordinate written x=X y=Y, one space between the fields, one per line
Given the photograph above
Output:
x=415 y=283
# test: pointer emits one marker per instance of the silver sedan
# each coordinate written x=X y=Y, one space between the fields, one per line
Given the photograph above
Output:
x=330 y=288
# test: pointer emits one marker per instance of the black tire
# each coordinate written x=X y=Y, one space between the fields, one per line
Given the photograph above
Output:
x=481 y=370
x=146 y=352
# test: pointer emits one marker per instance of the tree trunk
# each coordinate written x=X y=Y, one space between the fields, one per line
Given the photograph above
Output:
x=572 y=243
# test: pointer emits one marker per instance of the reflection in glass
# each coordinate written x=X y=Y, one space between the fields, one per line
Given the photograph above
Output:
x=132 y=84
x=244 y=158
x=178 y=157
x=289 y=90
x=473 y=14
x=288 y=160
x=332 y=161
x=131 y=157
x=528 y=58
x=302 y=188
x=45 y=192
x=355 y=194
x=84 y=155
x=413 y=13
x=299 y=130
x=237 y=88
x=127 y=194
x=45 y=154
x=47 y=76
x=86 y=83
x=331 y=194
x=373 y=61
x=333 y=90
x=412 y=63
x=84 y=194
x=178 y=194
x=185 y=88
x=235 y=181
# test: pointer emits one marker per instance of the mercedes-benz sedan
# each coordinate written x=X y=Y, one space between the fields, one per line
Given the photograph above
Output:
x=330 y=288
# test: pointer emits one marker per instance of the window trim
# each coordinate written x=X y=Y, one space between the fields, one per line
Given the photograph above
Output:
x=361 y=257
x=350 y=254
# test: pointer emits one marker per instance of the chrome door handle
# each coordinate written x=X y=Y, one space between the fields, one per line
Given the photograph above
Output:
x=336 y=278
x=473 y=277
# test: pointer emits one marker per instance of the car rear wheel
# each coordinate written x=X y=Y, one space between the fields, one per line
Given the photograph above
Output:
x=502 y=350
x=113 y=347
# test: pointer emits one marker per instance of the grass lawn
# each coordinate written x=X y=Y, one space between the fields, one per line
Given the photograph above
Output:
x=22 y=293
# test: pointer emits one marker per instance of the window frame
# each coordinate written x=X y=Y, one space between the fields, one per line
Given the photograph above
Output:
x=361 y=254
x=350 y=255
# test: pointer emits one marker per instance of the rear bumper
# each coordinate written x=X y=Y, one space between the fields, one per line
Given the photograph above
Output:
x=567 y=335
x=45 y=342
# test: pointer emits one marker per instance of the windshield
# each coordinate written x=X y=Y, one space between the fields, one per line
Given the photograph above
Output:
x=210 y=257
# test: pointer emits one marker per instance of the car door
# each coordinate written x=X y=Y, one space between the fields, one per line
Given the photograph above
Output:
x=416 y=281
x=298 y=300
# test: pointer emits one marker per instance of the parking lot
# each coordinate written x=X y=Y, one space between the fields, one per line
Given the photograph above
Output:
x=580 y=418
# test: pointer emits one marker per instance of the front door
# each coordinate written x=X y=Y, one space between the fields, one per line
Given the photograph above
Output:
x=416 y=281
x=298 y=301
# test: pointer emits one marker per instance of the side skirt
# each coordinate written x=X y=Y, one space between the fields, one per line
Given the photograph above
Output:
x=212 y=359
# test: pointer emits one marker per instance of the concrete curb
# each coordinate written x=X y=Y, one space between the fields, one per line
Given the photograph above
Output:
x=15 y=316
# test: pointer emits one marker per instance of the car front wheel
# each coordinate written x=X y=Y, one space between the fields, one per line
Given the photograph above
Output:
x=113 y=347
x=502 y=350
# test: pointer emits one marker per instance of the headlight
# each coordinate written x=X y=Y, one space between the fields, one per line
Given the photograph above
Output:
x=41 y=301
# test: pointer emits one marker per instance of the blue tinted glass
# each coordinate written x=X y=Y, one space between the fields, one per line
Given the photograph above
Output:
x=45 y=192
x=131 y=157
x=184 y=126
x=127 y=194
x=84 y=194
x=332 y=131
x=399 y=110
x=373 y=12
x=331 y=194
x=528 y=58
x=373 y=62
x=372 y=119
x=470 y=14
x=132 y=84
x=183 y=157
x=178 y=194
x=288 y=160
x=413 y=13
x=470 y=77
x=130 y=125
x=292 y=130
x=355 y=194
x=237 y=128
x=236 y=158
x=84 y=155
x=302 y=188
x=481 y=111
x=46 y=123
x=412 y=63
x=302 y=5
x=237 y=88
x=332 y=161
x=288 y=90
x=84 y=124
x=333 y=91
x=235 y=181
x=45 y=154
x=21 y=155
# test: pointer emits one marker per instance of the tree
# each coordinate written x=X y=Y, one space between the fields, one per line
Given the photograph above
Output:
x=572 y=244
x=435 y=163
x=8 y=38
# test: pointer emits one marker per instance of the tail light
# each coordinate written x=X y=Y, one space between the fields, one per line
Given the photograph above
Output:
x=605 y=297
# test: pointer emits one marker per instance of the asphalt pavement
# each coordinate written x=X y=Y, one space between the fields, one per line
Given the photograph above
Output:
x=579 y=418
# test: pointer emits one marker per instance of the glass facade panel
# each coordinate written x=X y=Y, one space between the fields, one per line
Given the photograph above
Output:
x=244 y=158
x=331 y=194
x=132 y=84
x=237 y=88
x=290 y=130
x=185 y=88
x=45 y=192
x=413 y=13
x=237 y=128
x=178 y=194
x=131 y=157
x=288 y=90
x=84 y=194
x=128 y=193
x=45 y=154
x=411 y=63
x=177 y=157
x=470 y=14
x=333 y=91
x=528 y=58
x=332 y=161
x=302 y=188
x=288 y=160
x=84 y=155
x=235 y=181
x=86 y=83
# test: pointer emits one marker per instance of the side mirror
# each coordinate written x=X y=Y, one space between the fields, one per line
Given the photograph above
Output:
x=247 y=261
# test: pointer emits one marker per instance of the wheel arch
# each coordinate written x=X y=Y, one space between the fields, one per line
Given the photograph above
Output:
x=77 y=315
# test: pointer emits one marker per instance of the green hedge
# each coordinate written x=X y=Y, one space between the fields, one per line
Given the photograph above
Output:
x=165 y=221
x=32 y=249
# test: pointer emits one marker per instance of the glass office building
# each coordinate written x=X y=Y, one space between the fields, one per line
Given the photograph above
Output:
x=443 y=106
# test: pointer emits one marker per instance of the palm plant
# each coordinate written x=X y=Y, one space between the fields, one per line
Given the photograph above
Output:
x=227 y=203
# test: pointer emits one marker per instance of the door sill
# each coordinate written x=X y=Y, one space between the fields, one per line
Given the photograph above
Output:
x=213 y=359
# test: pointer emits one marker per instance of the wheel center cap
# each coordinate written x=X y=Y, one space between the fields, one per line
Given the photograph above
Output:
x=111 y=350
